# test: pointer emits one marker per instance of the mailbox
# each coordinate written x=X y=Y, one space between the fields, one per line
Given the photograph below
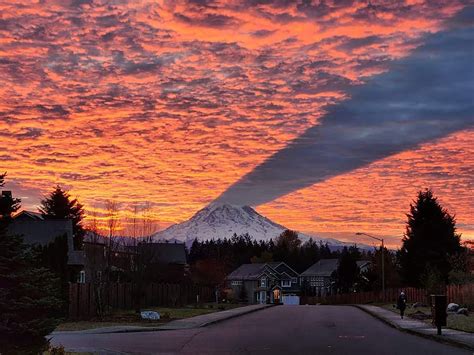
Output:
x=438 y=311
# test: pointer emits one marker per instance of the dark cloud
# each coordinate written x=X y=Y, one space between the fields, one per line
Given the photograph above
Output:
x=52 y=110
x=355 y=43
x=29 y=133
x=412 y=103
x=262 y=33
x=208 y=20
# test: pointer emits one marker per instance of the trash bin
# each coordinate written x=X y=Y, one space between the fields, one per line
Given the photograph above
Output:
x=438 y=311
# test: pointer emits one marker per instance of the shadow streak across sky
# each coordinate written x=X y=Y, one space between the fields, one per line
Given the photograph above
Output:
x=423 y=97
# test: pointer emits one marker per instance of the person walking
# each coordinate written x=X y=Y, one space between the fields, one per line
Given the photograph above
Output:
x=402 y=303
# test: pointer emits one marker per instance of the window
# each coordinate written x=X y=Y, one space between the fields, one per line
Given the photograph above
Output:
x=82 y=277
x=294 y=280
x=236 y=283
x=263 y=282
x=285 y=283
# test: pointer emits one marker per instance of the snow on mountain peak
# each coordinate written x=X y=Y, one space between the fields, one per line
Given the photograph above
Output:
x=222 y=220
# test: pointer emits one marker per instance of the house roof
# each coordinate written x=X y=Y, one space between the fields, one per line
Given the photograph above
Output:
x=37 y=230
x=324 y=267
x=248 y=271
x=282 y=267
x=167 y=253
x=35 y=216
x=363 y=263
x=255 y=271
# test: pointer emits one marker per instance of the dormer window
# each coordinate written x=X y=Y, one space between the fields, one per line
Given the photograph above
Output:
x=263 y=282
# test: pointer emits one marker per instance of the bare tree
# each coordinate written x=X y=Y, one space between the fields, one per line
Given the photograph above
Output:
x=94 y=248
x=142 y=226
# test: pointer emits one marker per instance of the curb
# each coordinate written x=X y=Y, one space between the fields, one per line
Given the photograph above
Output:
x=163 y=327
x=235 y=316
x=414 y=332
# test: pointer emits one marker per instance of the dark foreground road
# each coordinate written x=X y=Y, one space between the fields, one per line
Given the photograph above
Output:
x=277 y=330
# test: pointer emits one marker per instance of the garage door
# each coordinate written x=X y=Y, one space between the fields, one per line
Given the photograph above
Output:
x=291 y=299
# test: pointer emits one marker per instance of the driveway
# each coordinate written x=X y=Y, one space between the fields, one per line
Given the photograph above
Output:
x=276 y=330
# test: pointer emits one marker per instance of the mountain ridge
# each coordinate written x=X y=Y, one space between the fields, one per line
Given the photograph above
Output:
x=221 y=220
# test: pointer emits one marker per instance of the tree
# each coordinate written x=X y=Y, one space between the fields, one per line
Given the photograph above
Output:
x=372 y=278
x=8 y=204
x=142 y=264
x=460 y=269
x=54 y=256
x=288 y=240
x=287 y=247
x=30 y=304
x=347 y=271
x=429 y=242
x=59 y=205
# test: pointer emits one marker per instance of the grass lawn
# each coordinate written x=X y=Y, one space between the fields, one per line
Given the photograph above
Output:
x=454 y=321
x=130 y=318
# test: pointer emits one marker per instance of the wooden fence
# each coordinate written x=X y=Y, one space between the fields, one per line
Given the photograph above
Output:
x=82 y=304
x=461 y=294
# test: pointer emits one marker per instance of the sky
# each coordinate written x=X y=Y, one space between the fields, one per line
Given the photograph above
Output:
x=326 y=116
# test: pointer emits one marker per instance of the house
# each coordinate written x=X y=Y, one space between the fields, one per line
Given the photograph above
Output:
x=167 y=261
x=273 y=282
x=37 y=230
x=319 y=279
x=363 y=265
x=99 y=251
x=164 y=262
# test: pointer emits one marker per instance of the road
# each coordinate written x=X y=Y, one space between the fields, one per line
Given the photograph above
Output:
x=276 y=330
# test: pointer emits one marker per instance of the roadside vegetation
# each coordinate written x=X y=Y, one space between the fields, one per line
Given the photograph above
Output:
x=131 y=318
x=454 y=321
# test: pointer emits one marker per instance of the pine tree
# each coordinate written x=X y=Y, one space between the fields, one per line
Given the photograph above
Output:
x=59 y=205
x=29 y=302
x=347 y=270
x=429 y=241
x=8 y=204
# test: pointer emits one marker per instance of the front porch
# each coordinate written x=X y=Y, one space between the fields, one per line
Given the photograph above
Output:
x=268 y=296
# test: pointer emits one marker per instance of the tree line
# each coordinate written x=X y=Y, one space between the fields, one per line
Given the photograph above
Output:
x=431 y=255
x=34 y=279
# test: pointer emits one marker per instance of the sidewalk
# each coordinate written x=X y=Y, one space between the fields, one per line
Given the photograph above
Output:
x=417 y=327
x=187 y=323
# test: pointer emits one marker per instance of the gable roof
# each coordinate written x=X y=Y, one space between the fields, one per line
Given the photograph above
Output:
x=34 y=216
x=166 y=253
x=255 y=271
x=281 y=267
x=37 y=230
x=324 y=267
x=248 y=271
x=362 y=263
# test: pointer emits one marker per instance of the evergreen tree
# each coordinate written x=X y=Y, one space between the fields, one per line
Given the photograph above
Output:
x=8 y=204
x=429 y=242
x=373 y=276
x=29 y=302
x=347 y=271
x=54 y=256
x=288 y=240
x=59 y=205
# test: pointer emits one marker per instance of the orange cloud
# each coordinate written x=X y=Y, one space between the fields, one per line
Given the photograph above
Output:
x=171 y=102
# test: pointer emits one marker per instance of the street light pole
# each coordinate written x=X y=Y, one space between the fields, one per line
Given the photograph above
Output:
x=383 y=259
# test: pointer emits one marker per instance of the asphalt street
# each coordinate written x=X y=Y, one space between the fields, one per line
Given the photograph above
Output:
x=276 y=330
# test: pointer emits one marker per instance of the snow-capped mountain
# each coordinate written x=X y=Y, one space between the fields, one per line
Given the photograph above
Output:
x=219 y=220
